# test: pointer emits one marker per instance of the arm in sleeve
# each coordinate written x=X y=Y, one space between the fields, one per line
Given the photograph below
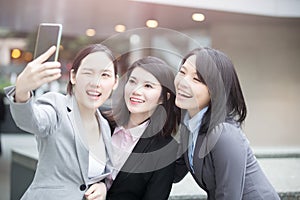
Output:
x=37 y=117
x=160 y=184
x=229 y=159
x=181 y=169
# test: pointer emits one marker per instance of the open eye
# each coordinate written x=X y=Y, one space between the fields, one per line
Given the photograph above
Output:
x=148 y=85
x=105 y=74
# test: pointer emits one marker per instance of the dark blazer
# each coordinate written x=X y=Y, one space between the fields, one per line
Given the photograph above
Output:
x=225 y=166
x=148 y=173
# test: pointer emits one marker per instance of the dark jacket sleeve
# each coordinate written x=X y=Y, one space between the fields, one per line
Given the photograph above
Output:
x=229 y=157
x=160 y=184
x=181 y=169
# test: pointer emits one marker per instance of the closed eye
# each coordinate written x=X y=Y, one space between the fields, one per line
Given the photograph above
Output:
x=132 y=81
x=87 y=71
x=182 y=72
x=197 y=79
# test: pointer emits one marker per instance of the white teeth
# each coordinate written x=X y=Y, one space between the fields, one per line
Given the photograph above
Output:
x=136 y=100
x=93 y=93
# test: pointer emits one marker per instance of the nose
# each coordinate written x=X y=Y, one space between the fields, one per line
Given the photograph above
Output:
x=95 y=82
x=183 y=82
x=137 y=90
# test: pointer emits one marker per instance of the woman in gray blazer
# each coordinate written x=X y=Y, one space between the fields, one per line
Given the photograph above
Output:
x=214 y=148
x=72 y=136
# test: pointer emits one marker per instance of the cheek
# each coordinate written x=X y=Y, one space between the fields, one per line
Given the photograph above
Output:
x=203 y=94
x=154 y=98
x=82 y=80
x=78 y=84
x=127 y=90
x=176 y=81
x=108 y=85
x=207 y=96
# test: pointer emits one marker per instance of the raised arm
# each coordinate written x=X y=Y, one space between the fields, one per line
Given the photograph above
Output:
x=35 y=74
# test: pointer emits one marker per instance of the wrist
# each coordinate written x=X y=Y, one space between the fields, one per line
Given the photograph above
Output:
x=21 y=97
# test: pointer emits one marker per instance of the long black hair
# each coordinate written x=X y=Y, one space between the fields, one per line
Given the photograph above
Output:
x=217 y=72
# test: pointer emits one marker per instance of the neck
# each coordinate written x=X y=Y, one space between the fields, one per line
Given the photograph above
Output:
x=87 y=114
x=135 y=120
x=194 y=111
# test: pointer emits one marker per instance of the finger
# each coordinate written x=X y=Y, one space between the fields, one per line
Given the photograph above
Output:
x=50 y=73
x=42 y=58
x=90 y=190
x=49 y=79
x=93 y=196
x=44 y=70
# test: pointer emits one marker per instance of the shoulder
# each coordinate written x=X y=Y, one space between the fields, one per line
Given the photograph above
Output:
x=227 y=137
x=57 y=100
x=103 y=121
x=52 y=96
x=229 y=133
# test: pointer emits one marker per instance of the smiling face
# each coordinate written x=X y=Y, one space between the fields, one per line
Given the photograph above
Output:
x=93 y=81
x=142 y=94
x=191 y=93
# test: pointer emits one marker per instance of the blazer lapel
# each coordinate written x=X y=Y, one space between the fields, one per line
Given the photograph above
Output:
x=141 y=159
x=106 y=134
x=137 y=159
x=197 y=160
x=80 y=142
x=184 y=137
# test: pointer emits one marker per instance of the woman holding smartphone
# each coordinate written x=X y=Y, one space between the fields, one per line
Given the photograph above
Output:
x=214 y=148
x=146 y=120
x=72 y=136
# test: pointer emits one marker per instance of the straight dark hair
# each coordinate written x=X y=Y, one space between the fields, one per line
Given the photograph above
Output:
x=86 y=51
x=217 y=72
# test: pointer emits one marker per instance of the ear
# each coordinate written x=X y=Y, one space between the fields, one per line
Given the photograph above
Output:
x=161 y=100
x=72 y=77
x=168 y=95
x=116 y=82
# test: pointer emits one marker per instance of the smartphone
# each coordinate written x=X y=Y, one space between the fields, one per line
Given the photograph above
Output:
x=48 y=35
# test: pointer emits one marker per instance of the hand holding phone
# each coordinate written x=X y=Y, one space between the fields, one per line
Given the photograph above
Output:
x=49 y=34
x=35 y=74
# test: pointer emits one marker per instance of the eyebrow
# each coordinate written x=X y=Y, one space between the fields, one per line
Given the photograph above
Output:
x=149 y=82
x=107 y=70
x=92 y=70
x=87 y=69
x=182 y=66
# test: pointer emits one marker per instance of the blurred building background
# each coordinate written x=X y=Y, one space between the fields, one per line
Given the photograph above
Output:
x=261 y=37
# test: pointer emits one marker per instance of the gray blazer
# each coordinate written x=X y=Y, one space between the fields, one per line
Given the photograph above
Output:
x=62 y=170
x=225 y=166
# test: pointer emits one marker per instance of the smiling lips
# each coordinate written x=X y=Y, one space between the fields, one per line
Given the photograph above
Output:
x=136 y=100
x=182 y=94
x=94 y=94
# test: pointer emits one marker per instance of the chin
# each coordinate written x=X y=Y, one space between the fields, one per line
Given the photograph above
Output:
x=179 y=105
